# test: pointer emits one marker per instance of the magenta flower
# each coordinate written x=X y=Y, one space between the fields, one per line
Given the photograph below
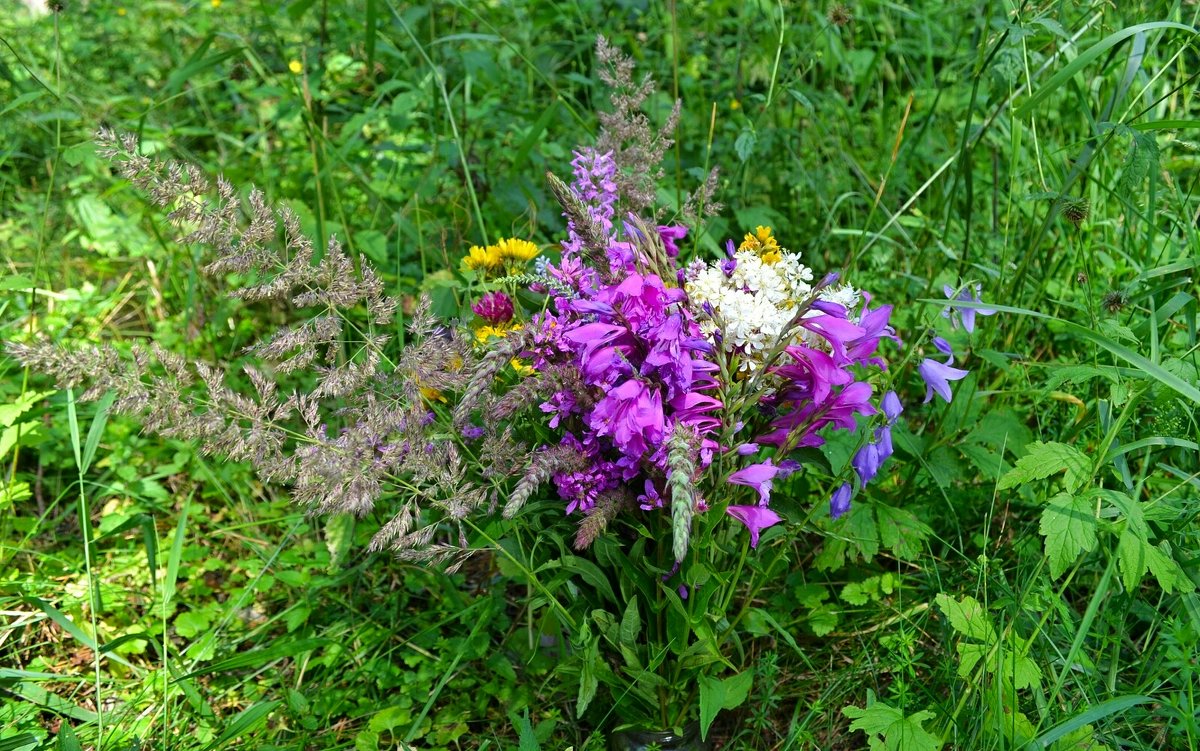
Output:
x=756 y=519
x=670 y=234
x=758 y=476
x=632 y=415
x=494 y=307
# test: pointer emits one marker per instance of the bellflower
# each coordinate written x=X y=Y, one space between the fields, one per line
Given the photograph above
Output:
x=839 y=503
x=937 y=375
x=955 y=312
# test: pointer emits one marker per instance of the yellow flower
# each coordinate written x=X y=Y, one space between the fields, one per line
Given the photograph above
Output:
x=764 y=243
x=120 y=11
x=482 y=258
x=735 y=105
x=513 y=249
x=295 y=67
x=521 y=368
x=216 y=3
x=432 y=394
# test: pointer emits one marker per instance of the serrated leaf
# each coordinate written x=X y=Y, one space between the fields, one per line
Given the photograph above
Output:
x=822 y=620
x=1023 y=672
x=744 y=145
x=1046 y=459
x=889 y=729
x=1069 y=526
x=969 y=655
x=901 y=531
x=968 y=618
x=717 y=694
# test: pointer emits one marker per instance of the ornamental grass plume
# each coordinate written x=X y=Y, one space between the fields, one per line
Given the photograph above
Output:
x=331 y=411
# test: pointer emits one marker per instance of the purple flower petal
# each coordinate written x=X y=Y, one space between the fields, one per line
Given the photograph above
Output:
x=757 y=476
x=937 y=377
x=840 y=502
x=756 y=519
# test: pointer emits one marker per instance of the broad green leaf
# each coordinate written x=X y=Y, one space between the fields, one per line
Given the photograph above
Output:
x=1046 y=459
x=889 y=729
x=631 y=624
x=901 y=531
x=717 y=694
x=968 y=618
x=1136 y=556
x=1023 y=672
x=1069 y=526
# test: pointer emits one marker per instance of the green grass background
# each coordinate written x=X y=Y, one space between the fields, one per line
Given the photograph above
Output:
x=152 y=597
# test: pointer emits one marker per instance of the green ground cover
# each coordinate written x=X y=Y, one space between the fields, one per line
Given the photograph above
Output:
x=1023 y=576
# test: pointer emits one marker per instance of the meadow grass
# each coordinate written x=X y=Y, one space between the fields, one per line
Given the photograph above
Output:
x=153 y=597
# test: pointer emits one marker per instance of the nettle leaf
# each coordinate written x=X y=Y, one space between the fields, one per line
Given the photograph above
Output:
x=1069 y=526
x=717 y=694
x=968 y=618
x=1046 y=459
x=1136 y=556
x=889 y=729
x=901 y=531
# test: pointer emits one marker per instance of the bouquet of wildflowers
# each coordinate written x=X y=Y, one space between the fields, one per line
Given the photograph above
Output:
x=610 y=421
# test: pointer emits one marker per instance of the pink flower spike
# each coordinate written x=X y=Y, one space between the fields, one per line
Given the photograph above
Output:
x=756 y=519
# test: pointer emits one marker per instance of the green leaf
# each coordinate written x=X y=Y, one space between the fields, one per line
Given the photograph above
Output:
x=1069 y=526
x=744 y=145
x=1086 y=717
x=901 y=531
x=889 y=729
x=589 y=659
x=1023 y=672
x=631 y=624
x=716 y=694
x=968 y=618
x=244 y=721
x=1136 y=556
x=67 y=740
x=1046 y=459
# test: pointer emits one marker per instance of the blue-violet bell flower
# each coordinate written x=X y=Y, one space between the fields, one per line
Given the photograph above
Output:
x=937 y=375
x=954 y=312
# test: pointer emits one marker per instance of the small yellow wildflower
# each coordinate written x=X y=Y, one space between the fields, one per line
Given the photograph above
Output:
x=295 y=67
x=120 y=11
x=513 y=249
x=432 y=394
x=522 y=369
x=216 y=3
x=764 y=243
x=735 y=105
x=482 y=258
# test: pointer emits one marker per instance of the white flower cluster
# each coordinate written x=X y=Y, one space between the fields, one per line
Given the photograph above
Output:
x=753 y=304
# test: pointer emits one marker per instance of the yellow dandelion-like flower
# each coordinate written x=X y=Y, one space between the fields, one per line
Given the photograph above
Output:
x=482 y=258
x=295 y=67
x=522 y=369
x=513 y=249
x=120 y=11
x=432 y=394
x=735 y=105
x=216 y=3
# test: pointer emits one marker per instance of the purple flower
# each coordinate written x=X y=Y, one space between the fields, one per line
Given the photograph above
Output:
x=472 y=432
x=758 y=476
x=756 y=519
x=494 y=307
x=746 y=449
x=632 y=414
x=840 y=502
x=866 y=462
x=954 y=312
x=937 y=375
x=891 y=406
x=670 y=234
